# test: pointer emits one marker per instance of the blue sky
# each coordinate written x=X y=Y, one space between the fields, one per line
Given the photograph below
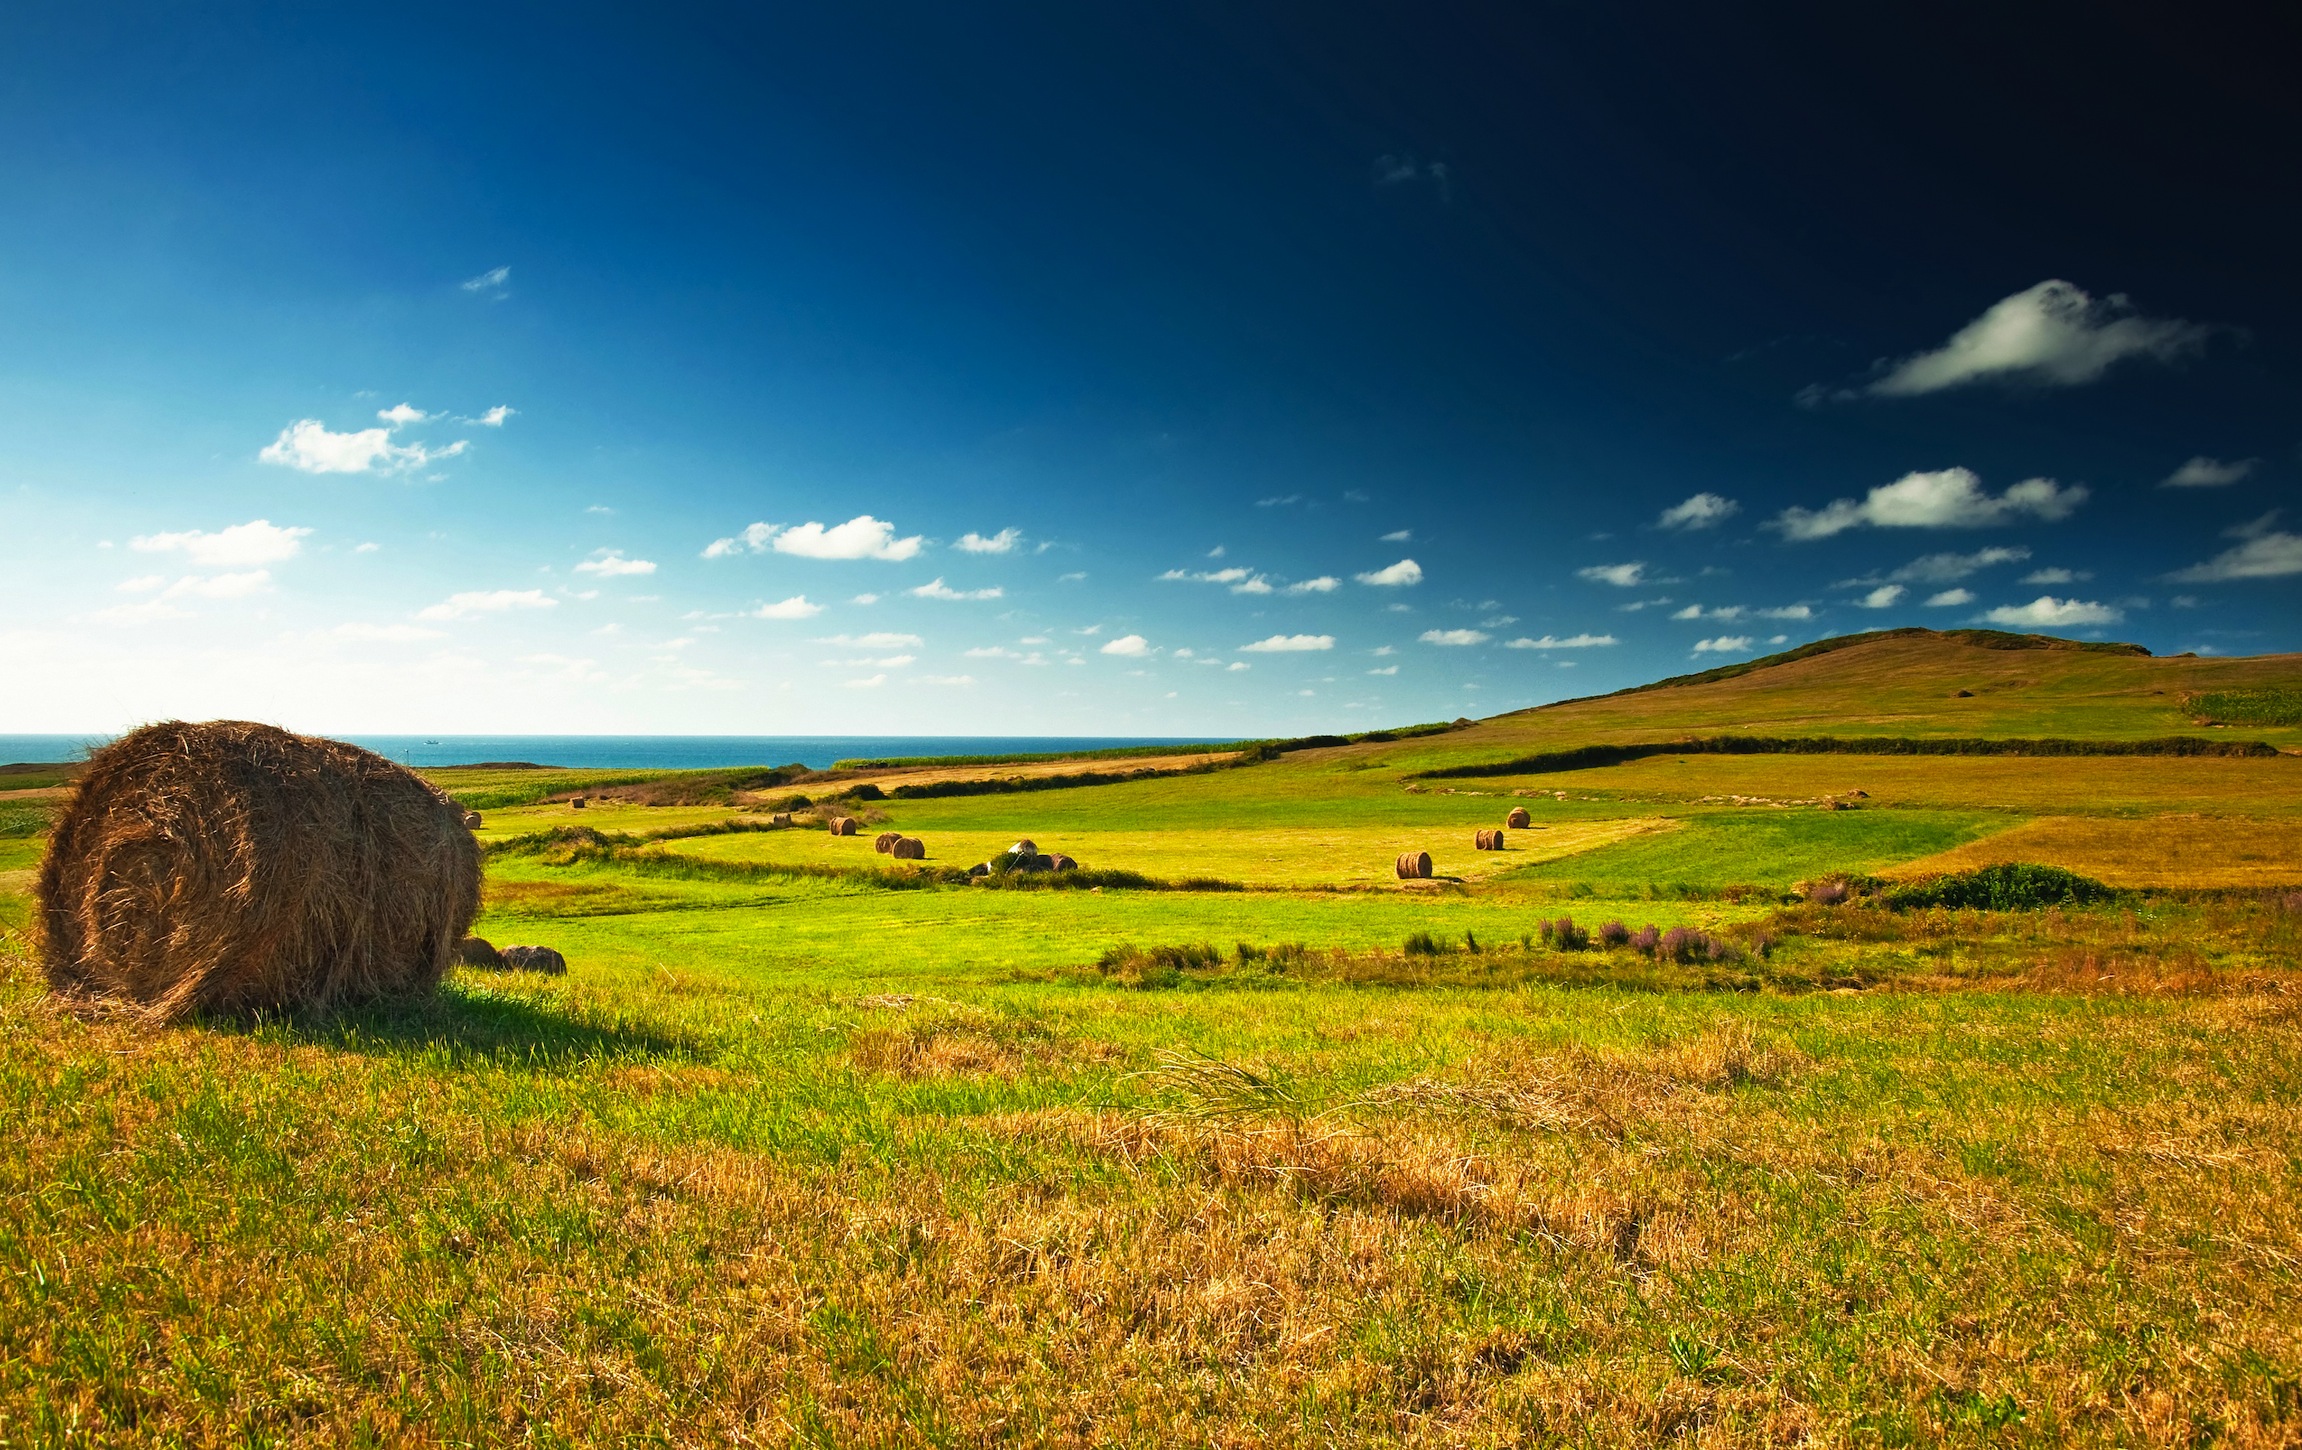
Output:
x=1160 y=370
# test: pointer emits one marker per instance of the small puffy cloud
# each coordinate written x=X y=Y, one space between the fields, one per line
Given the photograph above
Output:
x=993 y=652
x=936 y=589
x=1787 y=611
x=401 y=414
x=1003 y=542
x=1696 y=611
x=2263 y=553
x=2048 y=612
x=1622 y=576
x=1947 y=498
x=493 y=417
x=611 y=564
x=1703 y=511
x=1255 y=585
x=1454 y=636
x=872 y=682
x=753 y=540
x=1950 y=568
x=259 y=541
x=1324 y=584
x=492 y=280
x=1237 y=665
x=367 y=548
x=862 y=537
x=220 y=586
x=865 y=598
x=1239 y=578
x=1725 y=644
x=309 y=446
x=384 y=633
x=1071 y=578
x=796 y=607
x=877 y=639
x=487 y=601
x=1949 y=597
x=1384 y=670
x=1129 y=646
x=2057 y=576
x=891 y=662
x=1278 y=501
x=1394 y=576
x=1399 y=536
x=2203 y=472
x=1289 y=644
x=2050 y=334
x=1885 y=596
x=1572 y=641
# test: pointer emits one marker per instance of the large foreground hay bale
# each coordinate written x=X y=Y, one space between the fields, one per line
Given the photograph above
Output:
x=1518 y=819
x=232 y=867
x=1414 y=865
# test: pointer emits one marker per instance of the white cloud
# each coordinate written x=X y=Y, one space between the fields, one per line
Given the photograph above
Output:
x=1231 y=575
x=1787 y=611
x=611 y=564
x=2203 y=472
x=754 y=539
x=1289 y=644
x=993 y=652
x=1703 y=511
x=890 y=662
x=862 y=537
x=1324 y=584
x=368 y=548
x=1454 y=636
x=1385 y=670
x=1950 y=568
x=384 y=633
x=487 y=601
x=2057 y=576
x=1623 y=576
x=493 y=417
x=1724 y=644
x=2265 y=553
x=1572 y=641
x=1071 y=578
x=308 y=445
x=936 y=589
x=1692 y=611
x=1724 y=611
x=1885 y=596
x=142 y=584
x=948 y=679
x=877 y=639
x=1278 y=501
x=2048 y=612
x=1947 y=498
x=1256 y=585
x=1131 y=646
x=1949 y=597
x=488 y=281
x=1237 y=665
x=1003 y=542
x=1406 y=571
x=259 y=541
x=796 y=607
x=400 y=414
x=220 y=586
x=2052 y=333
x=1399 y=536
x=871 y=683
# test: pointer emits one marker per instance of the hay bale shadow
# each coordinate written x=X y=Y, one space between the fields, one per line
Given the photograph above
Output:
x=483 y=1025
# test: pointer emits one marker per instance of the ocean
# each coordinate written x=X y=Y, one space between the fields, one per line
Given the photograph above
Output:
x=650 y=752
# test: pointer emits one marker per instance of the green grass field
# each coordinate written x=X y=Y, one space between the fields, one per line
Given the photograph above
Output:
x=811 y=1148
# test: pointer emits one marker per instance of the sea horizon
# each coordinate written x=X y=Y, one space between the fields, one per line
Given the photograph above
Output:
x=648 y=752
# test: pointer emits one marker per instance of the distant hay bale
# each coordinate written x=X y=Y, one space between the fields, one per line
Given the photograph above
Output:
x=1518 y=820
x=535 y=959
x=231 y=867
x=908 y=848
x=471 y=820
x=577 y=803
x=1024 y=847
x=1414 y=865
x=842 y=825
x=780 y=818
x=1490 y=840
x=1061 y=862
x=885 y=841
x=477 y=951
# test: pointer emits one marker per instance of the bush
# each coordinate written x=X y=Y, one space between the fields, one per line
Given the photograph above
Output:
x=1647 y=941
x=2015 y=886
x=1423 y=944
x=1565 y=935
x=1614 y=934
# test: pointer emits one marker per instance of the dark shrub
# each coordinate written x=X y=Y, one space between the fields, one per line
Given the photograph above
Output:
x=1471 y=943
x=2016 y=886
x=1250 y=953
x=1565 y=935
x=1614 y=934
x=1647 y=941
x=1423 y=944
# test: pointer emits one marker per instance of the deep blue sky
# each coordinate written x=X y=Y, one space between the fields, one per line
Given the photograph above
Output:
x=1136 y=284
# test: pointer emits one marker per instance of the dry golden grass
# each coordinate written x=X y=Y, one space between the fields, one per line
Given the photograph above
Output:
x=2168 y=851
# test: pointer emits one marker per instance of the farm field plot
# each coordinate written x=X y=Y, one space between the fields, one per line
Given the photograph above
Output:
x=2155 y=851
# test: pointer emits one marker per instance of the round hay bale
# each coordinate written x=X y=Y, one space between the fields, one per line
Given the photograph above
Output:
x=1518 y=819
x=842 y=825
x=477 y=951
x=230 y=867
x=885 y=841
x=908 y=848
x=471 y=820
x=1023 y=847
x=1414 y=865
x=1061 y=862
x=535 y=959
x=577 y=803
x=1489 y=840
x=780 y=818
